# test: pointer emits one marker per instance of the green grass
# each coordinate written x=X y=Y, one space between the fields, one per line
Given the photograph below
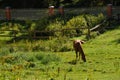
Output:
x=103 y=62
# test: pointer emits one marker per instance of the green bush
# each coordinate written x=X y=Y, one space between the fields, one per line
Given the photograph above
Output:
x=42 y=24
x=55 y=45
x=93 y=20
x=75 y=22
x=82 y=21
x=56 y=26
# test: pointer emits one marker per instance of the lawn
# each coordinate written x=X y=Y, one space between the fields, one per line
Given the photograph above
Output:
x=103 y=62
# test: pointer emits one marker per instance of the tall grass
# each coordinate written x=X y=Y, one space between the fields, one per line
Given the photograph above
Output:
x=21 y=57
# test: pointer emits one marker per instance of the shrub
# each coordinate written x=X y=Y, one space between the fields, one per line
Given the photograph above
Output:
x=93 y=20
x=94 y=34
x=75 y=22
x=56 y=26
x=42 y=24
x=82 y=21
x=55 y=44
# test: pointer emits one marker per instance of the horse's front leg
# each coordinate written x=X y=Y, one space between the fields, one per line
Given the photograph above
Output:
x=76 y=55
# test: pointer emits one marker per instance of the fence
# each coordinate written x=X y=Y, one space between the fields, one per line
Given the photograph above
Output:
x=36 y=14
x=41 y=34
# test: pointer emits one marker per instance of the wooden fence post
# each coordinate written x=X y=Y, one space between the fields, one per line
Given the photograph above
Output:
x=118 y=16
x=34 y=34
x=61 y=10
x=109 y=10
x=14 y=35
x=8 y=13
x=88 y=36
x=51 y=11
x=109 y=14
x=30 y=34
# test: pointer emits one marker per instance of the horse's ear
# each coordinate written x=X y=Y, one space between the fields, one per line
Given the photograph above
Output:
x=82 y=42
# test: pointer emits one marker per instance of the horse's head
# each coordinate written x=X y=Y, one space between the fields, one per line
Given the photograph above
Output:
x=82 y=42
x=79 y=41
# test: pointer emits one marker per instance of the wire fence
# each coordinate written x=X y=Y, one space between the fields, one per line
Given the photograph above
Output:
x=36 y=14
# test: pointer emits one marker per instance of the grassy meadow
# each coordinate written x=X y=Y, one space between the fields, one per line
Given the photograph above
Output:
x=102 y=53
x=54 y=58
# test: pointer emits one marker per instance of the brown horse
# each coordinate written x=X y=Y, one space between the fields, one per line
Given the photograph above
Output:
x=77 y=44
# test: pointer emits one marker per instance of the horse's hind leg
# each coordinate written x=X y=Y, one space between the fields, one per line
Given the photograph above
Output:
x=83 y=57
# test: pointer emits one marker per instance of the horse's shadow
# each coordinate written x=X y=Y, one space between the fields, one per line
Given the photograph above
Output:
x=73 y=62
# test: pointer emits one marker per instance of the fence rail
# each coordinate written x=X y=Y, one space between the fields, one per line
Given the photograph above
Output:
x=35 y=14
x=32 y=34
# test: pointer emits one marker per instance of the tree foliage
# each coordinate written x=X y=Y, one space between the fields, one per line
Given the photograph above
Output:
x=56 y=3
